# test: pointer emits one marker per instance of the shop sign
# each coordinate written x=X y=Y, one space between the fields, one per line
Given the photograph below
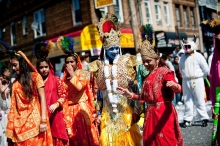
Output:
x=103 y=3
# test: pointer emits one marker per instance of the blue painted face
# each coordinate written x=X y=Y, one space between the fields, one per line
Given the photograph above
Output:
x=112 y=52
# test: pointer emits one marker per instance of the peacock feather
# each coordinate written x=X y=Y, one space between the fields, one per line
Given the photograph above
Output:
x=147 y=32
x=66 y=43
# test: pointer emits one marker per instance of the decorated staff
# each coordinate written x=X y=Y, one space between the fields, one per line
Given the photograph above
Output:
x=213 y=26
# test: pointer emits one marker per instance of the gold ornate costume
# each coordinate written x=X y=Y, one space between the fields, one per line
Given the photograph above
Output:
x=117 y=131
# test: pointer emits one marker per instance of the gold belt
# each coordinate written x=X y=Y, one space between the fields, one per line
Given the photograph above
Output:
x=153 y=104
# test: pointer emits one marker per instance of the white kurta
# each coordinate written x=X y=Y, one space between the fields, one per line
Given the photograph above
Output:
x=194 y=70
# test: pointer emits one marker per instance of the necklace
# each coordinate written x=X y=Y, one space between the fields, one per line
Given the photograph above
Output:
x=192 y=77
x=113 y=98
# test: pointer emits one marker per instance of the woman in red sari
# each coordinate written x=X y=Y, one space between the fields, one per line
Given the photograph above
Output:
x=27 y=118
x=80 y=118
x=161 y=127
x=55 y=94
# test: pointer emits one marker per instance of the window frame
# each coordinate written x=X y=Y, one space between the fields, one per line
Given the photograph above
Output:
x=121 y=16
x=192 y=17
x=148 y=6
x=38 y=12
x=24 y=25
x=166 y=6
x=104 y=9
x=12 y=34
x=73 y=14
x=185 y=16
x=159 y=20
x=178 y=21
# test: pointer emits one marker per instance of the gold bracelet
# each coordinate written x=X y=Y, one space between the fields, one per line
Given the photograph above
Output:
x=43 y=121
x=57 y=104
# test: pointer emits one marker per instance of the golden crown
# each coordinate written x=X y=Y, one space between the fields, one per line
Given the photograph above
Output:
x=148 y=49
x=109 y=31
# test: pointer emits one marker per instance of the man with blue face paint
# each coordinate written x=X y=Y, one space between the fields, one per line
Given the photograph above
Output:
x=114 y=70
x=113 y=52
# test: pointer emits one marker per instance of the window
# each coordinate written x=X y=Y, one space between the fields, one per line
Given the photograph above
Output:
x=186 y=20
x=192 y=17
x=76 y=12
x=12 y=32
x=119 y=11
x=178 y=16
x=25 y=26
x=157 y=12
x=166 y=13
x=103 y=11
x=39 y=24
x=148 y=11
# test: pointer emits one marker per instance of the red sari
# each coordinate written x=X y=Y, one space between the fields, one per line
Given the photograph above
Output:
x=55 y=92
x=161 y=127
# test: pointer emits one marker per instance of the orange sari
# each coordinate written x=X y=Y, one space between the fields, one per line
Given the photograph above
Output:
x=24 y=117
x=81 y=108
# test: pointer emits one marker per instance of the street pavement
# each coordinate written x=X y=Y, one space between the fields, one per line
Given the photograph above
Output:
x=196 y=135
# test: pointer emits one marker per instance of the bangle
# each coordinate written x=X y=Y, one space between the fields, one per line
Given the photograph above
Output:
x=57 y=104
x=43 y=121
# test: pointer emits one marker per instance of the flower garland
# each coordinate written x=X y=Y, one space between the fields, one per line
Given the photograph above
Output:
x=113 y=98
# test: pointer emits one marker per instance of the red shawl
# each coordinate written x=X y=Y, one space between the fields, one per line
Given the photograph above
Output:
x=58 y=127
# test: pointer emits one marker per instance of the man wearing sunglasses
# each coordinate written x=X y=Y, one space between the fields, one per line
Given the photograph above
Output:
x=194 y=70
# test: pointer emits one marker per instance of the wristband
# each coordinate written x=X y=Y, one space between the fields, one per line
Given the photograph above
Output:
x=57 y=104
x=43 y=121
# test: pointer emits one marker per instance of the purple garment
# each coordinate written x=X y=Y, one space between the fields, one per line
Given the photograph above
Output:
x=214 y=74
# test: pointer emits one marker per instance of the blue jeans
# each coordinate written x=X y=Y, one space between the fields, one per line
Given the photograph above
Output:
x=177 y=98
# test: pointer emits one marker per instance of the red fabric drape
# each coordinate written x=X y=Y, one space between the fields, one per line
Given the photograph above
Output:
x=58 y=127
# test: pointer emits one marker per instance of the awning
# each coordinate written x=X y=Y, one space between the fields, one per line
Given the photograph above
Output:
x=169 y=39
x=88 y=39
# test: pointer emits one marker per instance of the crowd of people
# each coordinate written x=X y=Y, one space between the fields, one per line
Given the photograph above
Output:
x=101 y=102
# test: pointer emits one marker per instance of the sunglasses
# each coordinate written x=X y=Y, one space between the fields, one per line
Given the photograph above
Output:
x=187 y=46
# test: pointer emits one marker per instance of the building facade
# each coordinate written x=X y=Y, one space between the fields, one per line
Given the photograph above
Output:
x=172 y=21
x=24 y=23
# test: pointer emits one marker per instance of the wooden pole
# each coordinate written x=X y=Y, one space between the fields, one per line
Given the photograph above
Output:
x=134 y=25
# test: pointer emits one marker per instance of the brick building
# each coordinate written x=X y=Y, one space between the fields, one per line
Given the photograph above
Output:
x=24 y=23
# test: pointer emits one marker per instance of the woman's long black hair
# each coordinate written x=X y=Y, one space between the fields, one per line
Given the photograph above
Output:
x=25 y=76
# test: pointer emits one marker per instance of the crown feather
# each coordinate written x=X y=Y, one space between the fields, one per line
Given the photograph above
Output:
x=7 y=50
x=42 y=49
x=147 y=32
x=66 y=44
x=211 y=25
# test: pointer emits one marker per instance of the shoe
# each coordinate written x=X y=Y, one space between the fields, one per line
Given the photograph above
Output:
x=205 y=123
x=186 y=124
x=179 y=103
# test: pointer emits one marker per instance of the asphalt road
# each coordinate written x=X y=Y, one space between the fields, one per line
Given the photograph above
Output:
x=196 y=135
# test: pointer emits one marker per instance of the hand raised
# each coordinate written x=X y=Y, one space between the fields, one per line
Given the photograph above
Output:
x=124 y=92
